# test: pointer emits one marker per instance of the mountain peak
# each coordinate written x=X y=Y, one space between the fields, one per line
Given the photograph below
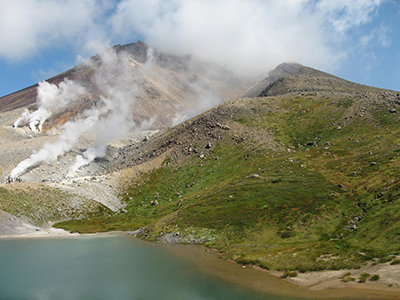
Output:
x=138 y=50
x=281 y=71
x=284 y=69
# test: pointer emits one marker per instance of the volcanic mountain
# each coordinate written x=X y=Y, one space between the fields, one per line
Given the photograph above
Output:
x=299 y=174
x=174 y=85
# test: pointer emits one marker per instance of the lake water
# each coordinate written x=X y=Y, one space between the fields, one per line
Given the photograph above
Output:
x=104 y=268
x=110 y=267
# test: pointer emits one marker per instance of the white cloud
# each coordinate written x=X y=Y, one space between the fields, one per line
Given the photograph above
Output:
x=378 y=36
x=248 y=36
x=29 y=26
x=343 y=15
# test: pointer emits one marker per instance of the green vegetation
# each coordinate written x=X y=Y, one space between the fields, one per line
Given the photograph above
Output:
x=374 y=277
x=307 y=183
x=395 y=262
x=43 y=204
x=364 y=277
x=348 y=278
x=288 y=274
x=385 y=259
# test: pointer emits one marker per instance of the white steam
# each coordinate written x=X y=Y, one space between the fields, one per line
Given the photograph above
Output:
x=50 y=99
x=51 y=151
x=109 y=119
x=87 y=157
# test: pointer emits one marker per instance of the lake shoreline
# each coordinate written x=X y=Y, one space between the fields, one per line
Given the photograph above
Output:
x=310 y=285
x=315 y=285
x=323 y=280
x=61 y=233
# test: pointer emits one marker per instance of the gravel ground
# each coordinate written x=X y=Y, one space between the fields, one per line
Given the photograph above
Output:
x=92 y=181
x=12 y=226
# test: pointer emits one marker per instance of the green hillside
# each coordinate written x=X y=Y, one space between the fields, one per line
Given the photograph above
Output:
x=300 y=181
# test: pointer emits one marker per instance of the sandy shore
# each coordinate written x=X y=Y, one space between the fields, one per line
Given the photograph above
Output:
x=389 y=278
x=15 y=227
x=312 y=285
x=41 y=234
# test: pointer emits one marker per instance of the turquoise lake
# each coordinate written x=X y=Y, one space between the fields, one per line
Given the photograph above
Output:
x=108 y=267
x=105 y=268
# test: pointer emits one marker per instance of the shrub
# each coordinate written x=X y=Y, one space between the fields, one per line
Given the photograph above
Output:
x=348 y=278
x=288 y=274
x=365 y=275
x=362 y=280
x=374 y=277
x=244 y=261
x=395 y=262
x=346 y=274
x=385 y=259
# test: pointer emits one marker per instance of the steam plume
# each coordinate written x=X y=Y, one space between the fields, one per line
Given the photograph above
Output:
x=51 y=99
x=51 y=151
x=110 y=119
x=87 y=157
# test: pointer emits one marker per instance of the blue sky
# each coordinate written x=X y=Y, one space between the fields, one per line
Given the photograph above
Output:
x=358 y=40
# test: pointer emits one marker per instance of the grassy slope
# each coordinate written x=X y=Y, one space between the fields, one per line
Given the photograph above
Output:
x=294 y=212
x=43 y=204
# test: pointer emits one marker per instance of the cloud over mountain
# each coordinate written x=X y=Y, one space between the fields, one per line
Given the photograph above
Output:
x=247 y=36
